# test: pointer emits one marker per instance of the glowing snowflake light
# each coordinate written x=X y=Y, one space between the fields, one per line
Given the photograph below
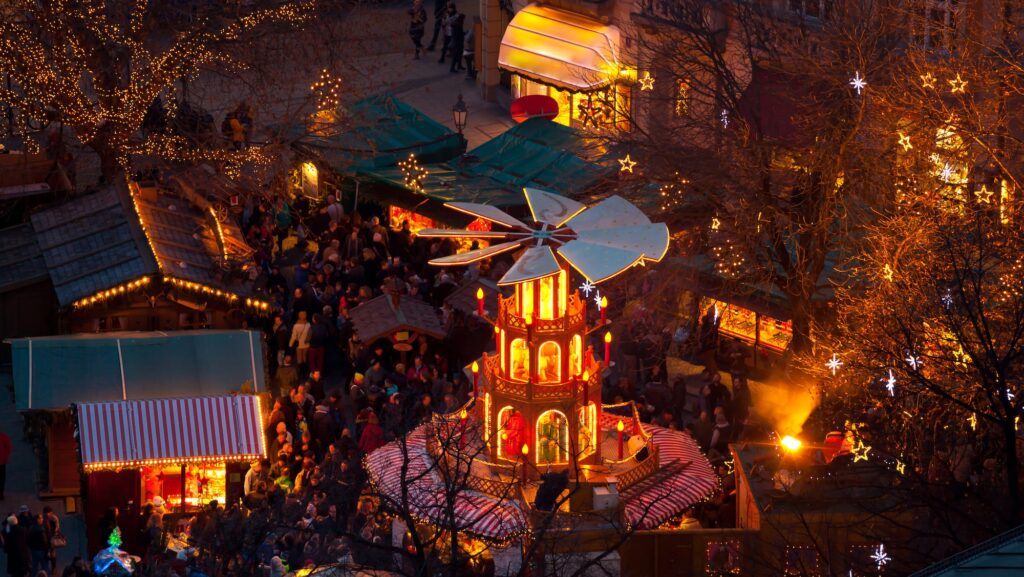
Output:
x=881 y=557
x=947 y=173
x=858 y=83
x=914 y=361
x=947 y=299
x=597 y=299
x=890 y=384
x=586 y=288
x=833 y=364
x=724 y=118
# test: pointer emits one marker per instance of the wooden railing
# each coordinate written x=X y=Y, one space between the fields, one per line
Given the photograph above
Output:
x=644 y=469
x=574 y=316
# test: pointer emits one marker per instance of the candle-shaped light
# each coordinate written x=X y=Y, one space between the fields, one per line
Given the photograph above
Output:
x=475 y=369
x=497 y=341
x=463 y=416
x=526 y=453
x=620 y=426
x=604 y=309
x=608 y=349
x=586 y=388
x=480 y=301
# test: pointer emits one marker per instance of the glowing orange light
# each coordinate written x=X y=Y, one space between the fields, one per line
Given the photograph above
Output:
x=463 y=414
x=526 y=449
x=586 y=376
x=791 y=443
x=479 y=294
x=604 y=302
x=475 y=367
x=620 y=426
x=608 y=337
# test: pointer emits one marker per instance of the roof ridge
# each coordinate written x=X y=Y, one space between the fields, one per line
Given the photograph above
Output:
x=973 y=552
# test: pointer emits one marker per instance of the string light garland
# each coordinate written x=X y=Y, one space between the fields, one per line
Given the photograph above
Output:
x=113 y=292
x=327 y=91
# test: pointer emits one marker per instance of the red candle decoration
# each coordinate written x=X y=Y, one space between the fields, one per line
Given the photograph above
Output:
x=480 y=301
x=608 y=349
x=462 y=428
x=526 y=453
x=620 y=426
x=604 y=309
x=475 y=368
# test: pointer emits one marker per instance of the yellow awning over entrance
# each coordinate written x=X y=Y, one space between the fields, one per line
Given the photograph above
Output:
x=560 y=48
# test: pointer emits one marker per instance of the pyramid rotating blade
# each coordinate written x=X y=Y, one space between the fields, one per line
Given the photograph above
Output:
x=536 y=262
x=650 y=240
x=460 y=233
x=612 y=212
x=475 y=255
x=597 y=262
x=487 y=212
x=549 y=208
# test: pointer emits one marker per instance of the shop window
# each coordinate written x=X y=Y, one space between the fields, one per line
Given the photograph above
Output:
x=202 y=484
x=502 y=356
x=723 y=558
x=552 y=438
x=520 y=352
x=552 y=303
x=511 y=427
x=576 y=355
x=588 y=429
x=524 y=298
x=550 y=365
x=802 y=561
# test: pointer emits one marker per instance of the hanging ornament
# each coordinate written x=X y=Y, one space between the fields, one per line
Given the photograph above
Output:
x=626 y=164
x=881 y=557
x=984 y=195
x=723 y=117
x=598 y=300
x=860 y=451
x=927 y=80
x=647 y=81
x=905 y=141
x=890 y=384
x=901 y=467
x=957 y=84
x=586 y=288
x=947 y=173
x=887 y=272
x=913 y=361
x=413 y=173
x=833 y=364
x=947 y=299
x=973 y=421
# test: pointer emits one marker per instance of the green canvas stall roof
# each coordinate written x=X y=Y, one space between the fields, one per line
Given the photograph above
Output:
x=384 y=131
x=50 y=373
x=537 y=153
x=1000 y=556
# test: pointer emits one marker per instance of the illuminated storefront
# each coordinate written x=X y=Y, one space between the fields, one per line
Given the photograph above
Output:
x=754 y=328
x=573 y=59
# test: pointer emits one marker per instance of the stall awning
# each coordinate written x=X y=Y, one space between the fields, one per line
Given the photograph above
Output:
x=560 y=48
x=132 y=433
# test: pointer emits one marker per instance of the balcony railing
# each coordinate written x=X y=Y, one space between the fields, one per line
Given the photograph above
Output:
x=536 y=391
x=574 y=317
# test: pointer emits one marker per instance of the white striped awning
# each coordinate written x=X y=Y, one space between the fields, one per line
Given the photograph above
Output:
x=560 y=48
x=132 y=433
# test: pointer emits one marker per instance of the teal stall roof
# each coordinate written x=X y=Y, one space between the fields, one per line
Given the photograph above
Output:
x=51 y=373
x=379 y=131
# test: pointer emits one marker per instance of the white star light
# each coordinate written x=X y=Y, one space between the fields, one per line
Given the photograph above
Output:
x=914 y=362
x=880 y=556
x=586 y=288
x=1009 y=395
x=890 y=384
x=834 y=363
x=947 y=173
x=947 y=299
x=858 y=83
x=724 y=117
x=597 y=300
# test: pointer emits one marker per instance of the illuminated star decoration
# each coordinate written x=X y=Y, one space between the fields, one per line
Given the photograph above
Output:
x=597 y=300
x=890 y=384
x=901 y=467
x=586 y=288
x=724 y=118
x=984 y=195
x=927 y=80
x=626 y=164
x=413 y=173
x=834 y=363
x=881 y=557
x=947 y=173
x=715 y=223
x=973 y=420
x=905 y=141
x=647 y=81
x=860 y=452
x=947 y=299
x=957 y=84
x=887 y=273
x=858 y=83
x=730 y=466
x=914 y=362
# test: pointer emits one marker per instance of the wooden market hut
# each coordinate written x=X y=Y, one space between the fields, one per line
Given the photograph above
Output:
x=399 y=320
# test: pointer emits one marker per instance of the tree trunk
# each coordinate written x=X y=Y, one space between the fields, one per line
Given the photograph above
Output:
x=108 y=150
x=801 y=322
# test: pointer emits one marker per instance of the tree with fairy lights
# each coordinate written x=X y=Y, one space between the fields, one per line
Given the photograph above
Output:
x=97 y=67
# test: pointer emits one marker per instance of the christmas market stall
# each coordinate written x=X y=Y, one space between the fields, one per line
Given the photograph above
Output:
x=168 y=370
x=399 y=321
x=171 y=451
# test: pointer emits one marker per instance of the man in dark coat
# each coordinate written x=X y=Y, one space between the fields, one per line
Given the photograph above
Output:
x=16 y=547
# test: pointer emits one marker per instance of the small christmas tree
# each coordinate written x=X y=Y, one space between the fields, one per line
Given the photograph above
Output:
x=115 y=538
x=112 y=560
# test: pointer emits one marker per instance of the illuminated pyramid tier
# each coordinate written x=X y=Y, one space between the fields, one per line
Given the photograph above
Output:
x=542 y=391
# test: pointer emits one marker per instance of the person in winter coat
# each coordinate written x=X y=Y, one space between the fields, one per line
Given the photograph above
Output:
x=373 y=435
x=318 y=335
x=39 y=545
x=458 y=42
x=301 y=333
x=16 y=546
x=722 y=434
x=417 y=26
x=468 y=52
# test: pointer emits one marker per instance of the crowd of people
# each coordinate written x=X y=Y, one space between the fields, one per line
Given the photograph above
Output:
x=450 y=26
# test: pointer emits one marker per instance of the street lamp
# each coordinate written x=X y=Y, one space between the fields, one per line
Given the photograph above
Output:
x=459 y=112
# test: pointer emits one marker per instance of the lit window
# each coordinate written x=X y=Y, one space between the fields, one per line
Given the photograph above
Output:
x=550 y=363
x=588 y=429
x=552 y=438
x=520 y=360
x=510 y=432
x=575 y=355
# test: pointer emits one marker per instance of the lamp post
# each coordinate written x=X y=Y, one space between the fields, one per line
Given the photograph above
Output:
x=459 y=113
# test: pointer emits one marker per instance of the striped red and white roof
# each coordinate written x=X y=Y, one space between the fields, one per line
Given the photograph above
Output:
x=648 y=505
x=170 y=430
x=476 y=513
